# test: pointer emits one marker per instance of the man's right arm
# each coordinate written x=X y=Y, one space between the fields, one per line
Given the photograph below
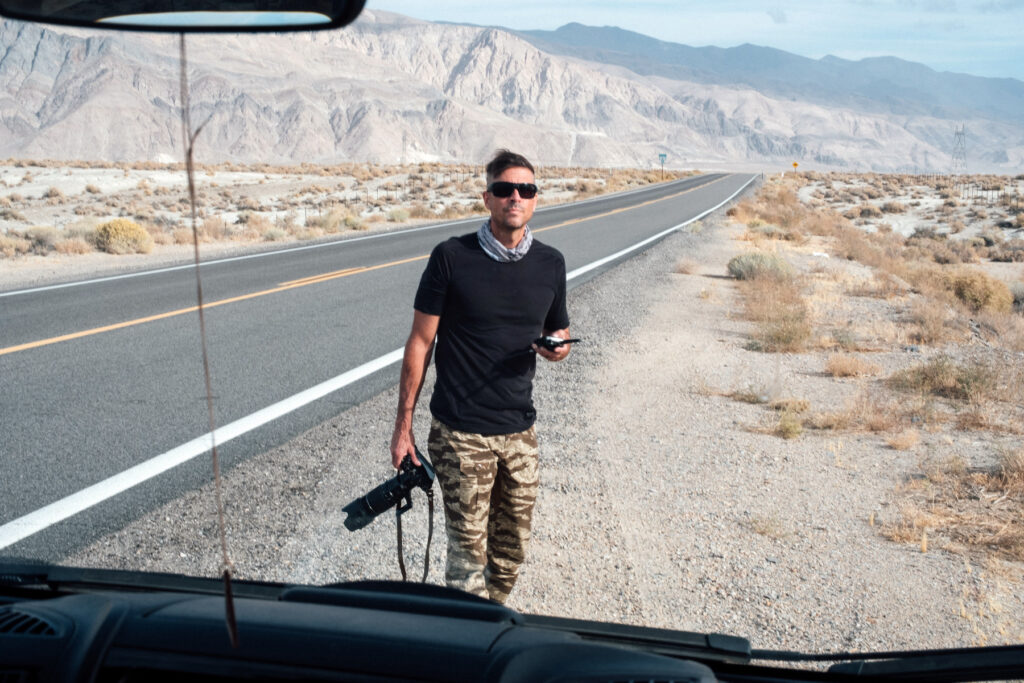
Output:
x=418 y=350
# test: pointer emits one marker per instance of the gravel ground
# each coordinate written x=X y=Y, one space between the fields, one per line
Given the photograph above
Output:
x=663 y=502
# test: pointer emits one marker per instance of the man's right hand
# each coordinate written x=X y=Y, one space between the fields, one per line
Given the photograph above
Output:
x=403 y=444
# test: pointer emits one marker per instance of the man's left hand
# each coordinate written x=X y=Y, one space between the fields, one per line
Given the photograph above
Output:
x=557 y=354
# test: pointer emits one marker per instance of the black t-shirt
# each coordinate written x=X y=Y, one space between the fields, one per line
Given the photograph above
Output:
x=490 y=314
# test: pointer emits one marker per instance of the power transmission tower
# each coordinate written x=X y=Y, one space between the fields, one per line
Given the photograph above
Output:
x=959 y=163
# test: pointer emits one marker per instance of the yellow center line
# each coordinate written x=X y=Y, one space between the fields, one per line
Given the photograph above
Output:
x=293 y=284
x=629 y=208
x=322 y=276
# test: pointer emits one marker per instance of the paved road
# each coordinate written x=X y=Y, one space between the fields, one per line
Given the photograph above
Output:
x=98 y=377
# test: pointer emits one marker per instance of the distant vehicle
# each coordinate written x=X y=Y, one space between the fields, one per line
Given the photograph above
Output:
x=77 y=624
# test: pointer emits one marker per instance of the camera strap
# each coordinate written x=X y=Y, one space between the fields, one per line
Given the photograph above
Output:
x=430 y=536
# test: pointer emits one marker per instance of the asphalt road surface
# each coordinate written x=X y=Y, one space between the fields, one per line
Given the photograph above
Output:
x=102 y=409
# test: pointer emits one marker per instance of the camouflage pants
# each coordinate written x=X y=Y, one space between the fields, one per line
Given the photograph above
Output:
x=489 y=485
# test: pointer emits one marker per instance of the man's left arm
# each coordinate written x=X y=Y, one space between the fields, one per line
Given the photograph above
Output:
x=557 y=316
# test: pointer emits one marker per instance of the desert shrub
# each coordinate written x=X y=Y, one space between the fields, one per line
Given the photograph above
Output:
x=905 y=440
x=123 y=236
x=756 y=264
x=216 y=228
x=83 y=231
x=419 y=210
x=308 y=233
x=893 y=207
x=964 y=252
x=274 y=233
x=159 y=235
x=72 y=245
x=1017 y=290
x=1008 y=252
x=353 y=222
x=931 y=320
x=982 y=292
x=789 y=426
x=398 y=215
x=330 y=222
x=991 y=238
x=759 y=228
x=925 y=232
x=43 y=237
x=92 y=189
x=14 y=245
x=182 y=236
x=781 y=316
x=941 y=253
x=942 y=376
x=845 y=365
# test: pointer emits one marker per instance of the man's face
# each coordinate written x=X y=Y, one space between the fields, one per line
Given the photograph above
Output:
x=513 y=212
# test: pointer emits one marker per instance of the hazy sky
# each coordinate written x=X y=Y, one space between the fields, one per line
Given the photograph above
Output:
x=980 y=37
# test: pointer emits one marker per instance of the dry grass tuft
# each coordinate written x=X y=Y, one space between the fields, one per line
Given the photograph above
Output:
x=944 y=377
x=790 y=425
x=981 y=292
x=751 y=394
x=790 y=405
x=905 y=440
x=759 y=265
x=686 y=267
x=867 y=411
x=881 y=286
x=781 y=316
x=933 y=321
x=978 y=509
x=846 y=365
x=73 y=245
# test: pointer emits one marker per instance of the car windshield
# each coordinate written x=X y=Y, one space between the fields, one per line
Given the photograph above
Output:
x=793 y=244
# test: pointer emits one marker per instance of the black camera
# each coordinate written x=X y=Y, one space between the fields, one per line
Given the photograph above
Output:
x=363 y=510
x=552 y=343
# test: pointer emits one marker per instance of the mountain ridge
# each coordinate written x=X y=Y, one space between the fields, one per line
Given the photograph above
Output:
x=392 y=89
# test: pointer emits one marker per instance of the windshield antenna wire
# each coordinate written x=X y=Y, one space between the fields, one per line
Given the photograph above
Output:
x=189 y=138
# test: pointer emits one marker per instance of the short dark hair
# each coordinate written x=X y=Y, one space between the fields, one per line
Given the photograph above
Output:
x=503 y=160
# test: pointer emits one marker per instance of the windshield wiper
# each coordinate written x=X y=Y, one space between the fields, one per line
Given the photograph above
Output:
x=57 y=578
x=951 y=664
x=710 y=647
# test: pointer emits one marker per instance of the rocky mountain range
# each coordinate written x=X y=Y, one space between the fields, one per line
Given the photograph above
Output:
x=390 y=89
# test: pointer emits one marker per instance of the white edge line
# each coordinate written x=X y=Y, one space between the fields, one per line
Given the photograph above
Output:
x=597 y=264
x=305 y=247
x=34 y=522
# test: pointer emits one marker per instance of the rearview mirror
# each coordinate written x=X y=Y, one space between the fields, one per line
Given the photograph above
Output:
x=189 y=16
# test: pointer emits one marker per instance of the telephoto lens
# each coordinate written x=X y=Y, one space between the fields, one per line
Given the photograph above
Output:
x=364 y=509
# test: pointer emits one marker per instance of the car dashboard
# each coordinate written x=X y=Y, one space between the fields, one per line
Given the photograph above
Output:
x=352 y=632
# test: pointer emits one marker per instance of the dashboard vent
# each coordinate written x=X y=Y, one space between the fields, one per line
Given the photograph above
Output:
x=19 y=623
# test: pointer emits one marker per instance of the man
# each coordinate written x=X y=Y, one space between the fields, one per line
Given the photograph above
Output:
x=486 y=296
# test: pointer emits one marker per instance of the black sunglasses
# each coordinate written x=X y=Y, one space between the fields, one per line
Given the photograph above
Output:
x=504 y=189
